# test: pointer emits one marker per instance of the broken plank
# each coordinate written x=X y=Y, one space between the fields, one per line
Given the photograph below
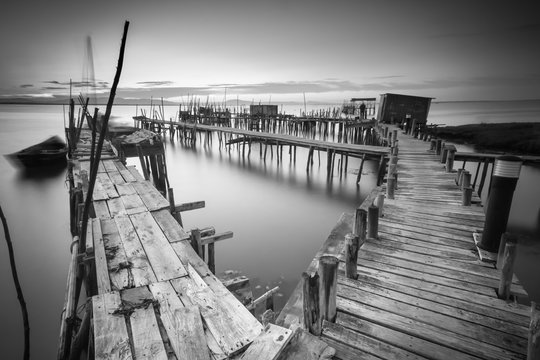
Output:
x=183 y=324
x=117 y=263
x=269 y=344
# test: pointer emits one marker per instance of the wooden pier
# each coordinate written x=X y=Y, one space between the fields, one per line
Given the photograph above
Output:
x=402 y=279
x=151 y=293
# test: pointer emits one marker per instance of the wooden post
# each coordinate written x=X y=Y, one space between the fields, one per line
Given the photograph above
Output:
x=438 y=146
x=466 y=195
x=533 y=349
x=351 y=255
x=172 y=207
x=212 y=258
x=360 y=224
x=143 y=164
x=458 y=177
x=507 y=270
x=311 y=309
x=328 y=265
x=380 y=204
x=373 y=222
x=196 y=242
x=390 y=187
x=465 y=179
x=450 y=159
x=444 y=154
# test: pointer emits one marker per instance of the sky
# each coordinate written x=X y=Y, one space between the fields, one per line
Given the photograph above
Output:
x=272 y=51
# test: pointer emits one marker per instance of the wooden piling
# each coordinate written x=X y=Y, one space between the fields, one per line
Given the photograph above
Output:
x=533 y=348
x=450 y=158
x=466 y=195
x=351 y=255
x=328 y=265
x=507 y=270
x=373 y=222
x=311 y=309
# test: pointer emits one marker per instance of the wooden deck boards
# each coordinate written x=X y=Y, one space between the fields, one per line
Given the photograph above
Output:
x=157 y=299
x=422 y=292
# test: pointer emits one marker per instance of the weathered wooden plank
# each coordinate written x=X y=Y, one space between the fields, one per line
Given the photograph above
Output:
x=171 y=228
x=456 y=321
x=517 y=314
x=133 y=204
x=107 y=185
x=139 y=266
x=109 y=165
x=183 y=323
x=147 y=342
x=419 y=346
x=150 y=196
x=439 y=335
x=304 y=346
x=458 y=308
x=472 y=272
x=410 y=245
x=89 y=245
x=102 y=273
x=367 y=344
x=116 y=177
x=117 y=262
x=163 y=259
x=231 y=333
x=135 y=173
x=379 y=262
x=125 y=189
x=111 y=339
x=269 y=344
x=116 y=207
x=101 y=209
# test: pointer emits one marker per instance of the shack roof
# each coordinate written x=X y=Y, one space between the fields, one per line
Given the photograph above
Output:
x=363 y=99
x=411 y=96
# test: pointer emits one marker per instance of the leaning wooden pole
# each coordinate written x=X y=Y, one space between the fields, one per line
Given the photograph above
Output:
x=93 y=173
x=20 y=296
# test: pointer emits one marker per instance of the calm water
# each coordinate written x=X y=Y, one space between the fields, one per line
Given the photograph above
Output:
x=279 y=214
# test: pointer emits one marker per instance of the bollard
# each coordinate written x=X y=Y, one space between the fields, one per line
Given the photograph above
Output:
x=432 y=144
x=503 y=183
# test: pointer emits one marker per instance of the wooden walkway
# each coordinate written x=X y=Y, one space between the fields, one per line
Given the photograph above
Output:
x=355 y=150
x=154 y=297
x=422 y=292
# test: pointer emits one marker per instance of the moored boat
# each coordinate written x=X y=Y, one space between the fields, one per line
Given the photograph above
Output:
x=48 y=152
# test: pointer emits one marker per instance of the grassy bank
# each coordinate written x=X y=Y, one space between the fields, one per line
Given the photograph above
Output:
x=518 y=138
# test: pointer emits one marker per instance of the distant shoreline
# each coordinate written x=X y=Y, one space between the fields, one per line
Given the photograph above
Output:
x=515 y=138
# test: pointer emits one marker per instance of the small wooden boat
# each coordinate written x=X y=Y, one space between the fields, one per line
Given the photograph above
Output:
x=49 y=152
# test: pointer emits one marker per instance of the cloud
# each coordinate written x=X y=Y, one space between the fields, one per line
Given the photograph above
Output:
x=155 y=83
x=25 y=86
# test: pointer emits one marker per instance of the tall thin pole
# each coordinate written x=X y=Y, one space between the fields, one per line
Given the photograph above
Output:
x=18 y=288
x=94 y=168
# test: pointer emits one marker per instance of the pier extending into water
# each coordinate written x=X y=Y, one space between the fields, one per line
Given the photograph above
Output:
x=402 y=277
